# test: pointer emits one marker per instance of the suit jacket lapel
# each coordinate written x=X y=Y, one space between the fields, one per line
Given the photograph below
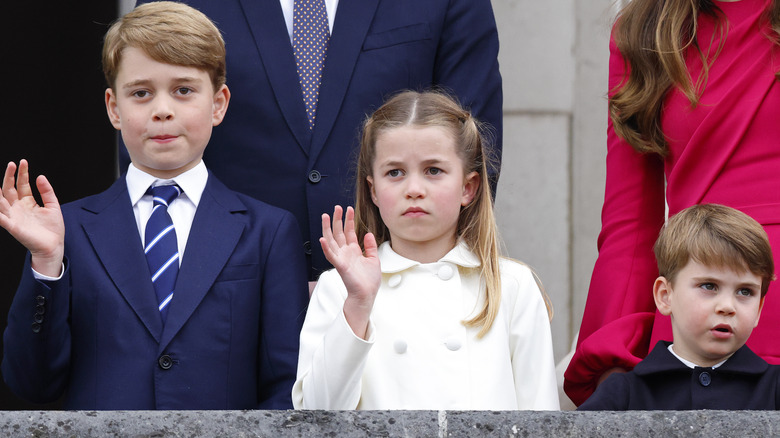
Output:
x=353 y=19
x=214 y=235
x=266 y=22
x=123 y=258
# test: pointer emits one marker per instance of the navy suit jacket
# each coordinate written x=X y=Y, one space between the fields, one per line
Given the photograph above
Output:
x=231 y=337
x=264 y=146
x=662 y=382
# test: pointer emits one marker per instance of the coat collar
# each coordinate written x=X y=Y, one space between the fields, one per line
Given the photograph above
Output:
x=392 y=262
x=743 y=361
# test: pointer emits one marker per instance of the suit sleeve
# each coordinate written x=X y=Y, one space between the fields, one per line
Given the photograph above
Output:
x=467 y=64
x=37 y=340
x=619 y=311
x=332 y=358
x=284 y=296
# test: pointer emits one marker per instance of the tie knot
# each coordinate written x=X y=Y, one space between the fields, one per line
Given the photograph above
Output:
x=164 y=195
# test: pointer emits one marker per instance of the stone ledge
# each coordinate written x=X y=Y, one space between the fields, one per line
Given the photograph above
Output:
x=388 y=424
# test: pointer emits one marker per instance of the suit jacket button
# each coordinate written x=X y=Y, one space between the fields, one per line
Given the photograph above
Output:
x=36 y=327
x=307 y=247
x=165 y=362
x=38 y=318
x=40 y=310
x=315 y=176
x=40 y=300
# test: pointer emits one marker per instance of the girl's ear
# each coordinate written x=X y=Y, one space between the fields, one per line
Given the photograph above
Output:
x=370 y=181
x=470 y=187
x=662 y=290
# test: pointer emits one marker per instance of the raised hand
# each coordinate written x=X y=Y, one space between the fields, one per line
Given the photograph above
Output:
x=360 y=272
x=40 y=229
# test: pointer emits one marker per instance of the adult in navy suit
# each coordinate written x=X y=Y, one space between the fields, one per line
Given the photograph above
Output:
x=265 y=147
x=85 y=320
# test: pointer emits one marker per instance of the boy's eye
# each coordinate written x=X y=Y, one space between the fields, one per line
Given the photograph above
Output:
x=140 y=93
x=745 y=292
x=707 y=286
x=184 y=90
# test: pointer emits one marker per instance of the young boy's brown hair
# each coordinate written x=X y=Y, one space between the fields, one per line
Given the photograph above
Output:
x=715 y=235
x=168 y=32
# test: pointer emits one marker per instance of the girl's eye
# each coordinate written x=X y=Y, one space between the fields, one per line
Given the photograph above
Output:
x=434 y=171
x=394 y=173
x=745 y=292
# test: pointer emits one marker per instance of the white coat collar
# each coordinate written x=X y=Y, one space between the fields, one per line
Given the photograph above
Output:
x=392 y=262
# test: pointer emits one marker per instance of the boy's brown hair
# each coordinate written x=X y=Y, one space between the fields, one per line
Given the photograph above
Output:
x=715 y=235
x=168 y=32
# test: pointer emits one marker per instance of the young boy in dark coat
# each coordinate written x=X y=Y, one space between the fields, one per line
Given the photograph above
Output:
x=715 y=265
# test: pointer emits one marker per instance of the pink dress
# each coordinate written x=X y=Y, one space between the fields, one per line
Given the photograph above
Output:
x=725 y=151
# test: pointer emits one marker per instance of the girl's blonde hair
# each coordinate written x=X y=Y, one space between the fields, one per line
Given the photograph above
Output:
x=652 y=36
x=476 y=224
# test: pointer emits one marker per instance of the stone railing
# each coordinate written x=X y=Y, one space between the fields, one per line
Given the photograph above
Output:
x=388 y=424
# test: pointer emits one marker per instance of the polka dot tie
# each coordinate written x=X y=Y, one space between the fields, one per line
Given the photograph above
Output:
x=161 y=247
x=310 y=44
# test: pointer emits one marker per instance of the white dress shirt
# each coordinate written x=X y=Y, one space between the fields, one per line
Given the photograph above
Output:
x=418 y=354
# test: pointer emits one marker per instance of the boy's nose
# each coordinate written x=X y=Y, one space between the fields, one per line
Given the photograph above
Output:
x=726 y=306
x=162 y=111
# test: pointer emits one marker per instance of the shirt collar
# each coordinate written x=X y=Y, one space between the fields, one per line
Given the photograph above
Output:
x=392 y=262
x=192 y=182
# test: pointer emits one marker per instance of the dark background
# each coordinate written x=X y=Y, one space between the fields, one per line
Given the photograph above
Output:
x=53 y=114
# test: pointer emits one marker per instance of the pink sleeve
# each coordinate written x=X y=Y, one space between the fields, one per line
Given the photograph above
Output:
x=619 y=312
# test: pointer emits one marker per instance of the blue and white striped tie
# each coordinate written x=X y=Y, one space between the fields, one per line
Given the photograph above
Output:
x=161 y=247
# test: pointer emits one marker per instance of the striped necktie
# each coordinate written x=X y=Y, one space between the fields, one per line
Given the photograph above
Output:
x=310 y=44
x=161 y=247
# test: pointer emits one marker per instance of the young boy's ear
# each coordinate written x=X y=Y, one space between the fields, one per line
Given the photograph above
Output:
x=662 y=289
x=111 y=109
x=221 y=101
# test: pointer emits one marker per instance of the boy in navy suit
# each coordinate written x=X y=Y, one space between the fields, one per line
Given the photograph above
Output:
x=92 y=318
x=715 y=266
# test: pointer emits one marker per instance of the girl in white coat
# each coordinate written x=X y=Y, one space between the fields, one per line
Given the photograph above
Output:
x=425 y=315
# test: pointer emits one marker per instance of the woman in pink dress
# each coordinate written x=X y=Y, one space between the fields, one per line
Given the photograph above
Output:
x=694 y=107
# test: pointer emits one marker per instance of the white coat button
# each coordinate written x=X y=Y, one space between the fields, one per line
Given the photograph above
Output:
x=453 y=344
x=399 y=346
x=394 y=281
x=446 y=272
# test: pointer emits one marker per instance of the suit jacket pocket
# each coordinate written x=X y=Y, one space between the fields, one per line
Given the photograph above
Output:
x=239 y=272
x=400 y=35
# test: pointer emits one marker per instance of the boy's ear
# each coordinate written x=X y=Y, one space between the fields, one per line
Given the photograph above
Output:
x=760 y=307
x=111 y=109
x=370 y=181
x=221 y=101
x=662 y=289
x=470 y=187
